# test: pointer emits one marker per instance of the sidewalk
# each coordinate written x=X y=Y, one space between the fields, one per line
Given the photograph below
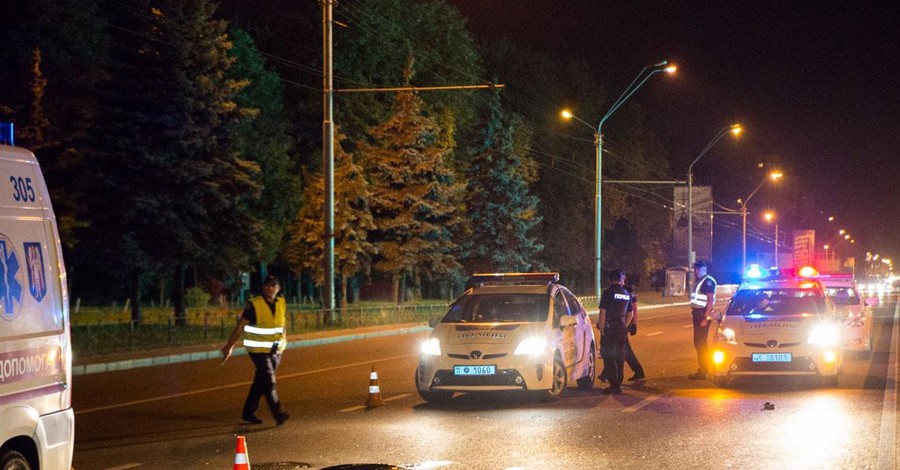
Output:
x=98 y=364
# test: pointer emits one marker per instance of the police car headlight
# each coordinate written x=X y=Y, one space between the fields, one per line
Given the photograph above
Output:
x=531 y=346
x=728 y=336
x=825 y=335
x=431 y=347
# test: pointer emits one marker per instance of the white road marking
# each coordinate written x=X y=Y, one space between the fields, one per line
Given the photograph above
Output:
x=887 y=442
x=688 y=326
x=641 y=404
x=125 y=467
x=654 y=333
x=240 y=384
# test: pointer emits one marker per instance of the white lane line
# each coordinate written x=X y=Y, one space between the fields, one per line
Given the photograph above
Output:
x=641 y=404
x=125 y=467
x=688 y=326
x=887 y=442
x=240 y=384
x=362 y=407
x=654 y=333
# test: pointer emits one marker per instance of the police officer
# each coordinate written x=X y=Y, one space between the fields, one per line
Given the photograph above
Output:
x=703 y=299
x=615 y=316
x=262 y=324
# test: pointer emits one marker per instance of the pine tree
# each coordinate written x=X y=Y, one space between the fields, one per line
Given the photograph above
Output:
x=353 y=221
x=172 y=189
x=415 y=196
x=501 y=210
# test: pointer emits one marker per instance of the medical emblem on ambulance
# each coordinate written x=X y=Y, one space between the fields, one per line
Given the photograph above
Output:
x=34 y=261
x=10 y=284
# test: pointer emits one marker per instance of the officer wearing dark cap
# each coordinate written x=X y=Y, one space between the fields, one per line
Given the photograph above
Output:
x=615 y=315
x=262 y=325
x=703 y=299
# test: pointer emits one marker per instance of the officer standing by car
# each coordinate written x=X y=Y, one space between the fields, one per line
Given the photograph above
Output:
x=630 y=358
x=262 y=324
x=616 y=313
x=703 y=299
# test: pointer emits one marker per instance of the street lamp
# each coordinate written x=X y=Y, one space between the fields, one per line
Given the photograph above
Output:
x=735 y=130
x=770 y=216
x=774 y=176
x=638 y=81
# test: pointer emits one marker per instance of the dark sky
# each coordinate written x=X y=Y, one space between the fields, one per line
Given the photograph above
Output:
x=815 y=84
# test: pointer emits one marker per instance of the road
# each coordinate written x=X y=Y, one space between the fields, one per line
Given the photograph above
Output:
x=186 y=415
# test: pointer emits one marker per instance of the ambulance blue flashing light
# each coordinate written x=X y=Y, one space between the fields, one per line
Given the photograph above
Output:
x=7 y=136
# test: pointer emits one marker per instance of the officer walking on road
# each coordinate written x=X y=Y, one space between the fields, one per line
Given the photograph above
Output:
x=615 y=316
x=703 y=299
x=262 y=324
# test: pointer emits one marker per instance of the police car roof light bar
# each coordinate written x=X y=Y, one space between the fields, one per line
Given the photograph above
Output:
x=6 y=133
x=513 y=278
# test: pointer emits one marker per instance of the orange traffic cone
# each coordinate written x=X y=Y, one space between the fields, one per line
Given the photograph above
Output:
x=374 y=390
x=241 y=459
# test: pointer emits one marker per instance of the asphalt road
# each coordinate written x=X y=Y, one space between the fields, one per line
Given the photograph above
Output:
x=186 y=415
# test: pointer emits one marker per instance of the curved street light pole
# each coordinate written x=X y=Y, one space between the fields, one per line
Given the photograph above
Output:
x=735 y=129
x=635 y=84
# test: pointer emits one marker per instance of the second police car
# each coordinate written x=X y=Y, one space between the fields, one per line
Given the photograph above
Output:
x=510 y=331
x=854 y=309
x=779 y=325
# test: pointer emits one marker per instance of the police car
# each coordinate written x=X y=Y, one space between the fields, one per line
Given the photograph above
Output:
x=854 y=311
x=509 y=331
x=779 y=325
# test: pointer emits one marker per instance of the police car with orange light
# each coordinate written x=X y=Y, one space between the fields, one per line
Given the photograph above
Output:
x=779 y=324
x=854 y=309
x=509 y=331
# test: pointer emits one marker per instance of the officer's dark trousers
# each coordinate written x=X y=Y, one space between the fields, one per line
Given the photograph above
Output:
x=263 y=384
x=632 y=360
x=612 y=350
x=701 y=341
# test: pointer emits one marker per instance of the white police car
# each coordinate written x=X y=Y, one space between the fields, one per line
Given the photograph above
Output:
x=512 y=331
x=854 y=311
x=779 y=325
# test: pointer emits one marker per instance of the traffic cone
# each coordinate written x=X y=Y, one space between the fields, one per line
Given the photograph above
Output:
x=241 y=459
x=374 y=390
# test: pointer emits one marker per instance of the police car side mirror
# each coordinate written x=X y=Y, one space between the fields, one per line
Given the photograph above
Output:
x=567 y=320
x=433 y=321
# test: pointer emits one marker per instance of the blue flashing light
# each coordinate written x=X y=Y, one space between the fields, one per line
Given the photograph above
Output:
x=755 y=272
x=6 y=133
x=756 y=316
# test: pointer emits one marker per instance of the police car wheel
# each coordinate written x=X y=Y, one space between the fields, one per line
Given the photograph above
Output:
x=13 y=460
x=587 y=382
x=559 y=381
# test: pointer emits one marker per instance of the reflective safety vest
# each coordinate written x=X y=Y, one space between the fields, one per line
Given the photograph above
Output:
x=699 y=300
x=267 y=335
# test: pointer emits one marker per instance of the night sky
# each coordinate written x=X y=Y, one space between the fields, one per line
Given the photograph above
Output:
x=814 y=83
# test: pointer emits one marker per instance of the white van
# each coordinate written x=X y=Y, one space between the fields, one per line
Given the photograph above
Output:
x=37 y=425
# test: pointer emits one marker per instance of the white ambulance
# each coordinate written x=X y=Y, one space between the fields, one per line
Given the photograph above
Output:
x=37 y=425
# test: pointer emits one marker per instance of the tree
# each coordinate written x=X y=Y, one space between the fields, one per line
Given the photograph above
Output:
x=499 y=206
x=265 y=140
x=415 y=196
x=172 y=190
x=353 y=221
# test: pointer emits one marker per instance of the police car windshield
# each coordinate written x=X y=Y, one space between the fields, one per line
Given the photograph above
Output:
x=776 y=302
x=499 y=308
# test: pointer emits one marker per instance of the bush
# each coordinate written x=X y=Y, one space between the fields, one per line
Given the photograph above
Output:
x=196 y=297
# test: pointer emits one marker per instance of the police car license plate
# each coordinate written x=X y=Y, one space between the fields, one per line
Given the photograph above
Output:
x=475 y=370
x=771 y=357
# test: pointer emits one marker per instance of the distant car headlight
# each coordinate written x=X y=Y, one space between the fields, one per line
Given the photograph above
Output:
x=728 y=336
x=531 y=346
x=825 y=335
x=431 y=347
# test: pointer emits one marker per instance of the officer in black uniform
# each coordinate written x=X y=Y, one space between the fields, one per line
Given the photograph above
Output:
x=630 y=357
x=615 y=316
x=703 y=299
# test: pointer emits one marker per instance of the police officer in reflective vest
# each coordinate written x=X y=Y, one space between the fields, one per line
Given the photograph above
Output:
x=262 y=324
x=615 y=316
x=703 y=299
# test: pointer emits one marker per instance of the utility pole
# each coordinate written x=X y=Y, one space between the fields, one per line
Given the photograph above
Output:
x=328 y=157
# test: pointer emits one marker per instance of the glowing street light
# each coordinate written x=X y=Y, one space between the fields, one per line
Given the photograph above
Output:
x=774 y=177
x=735 y=130
x=638 y=81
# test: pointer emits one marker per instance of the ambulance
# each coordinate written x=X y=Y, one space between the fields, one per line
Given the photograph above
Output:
x=37 y=424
